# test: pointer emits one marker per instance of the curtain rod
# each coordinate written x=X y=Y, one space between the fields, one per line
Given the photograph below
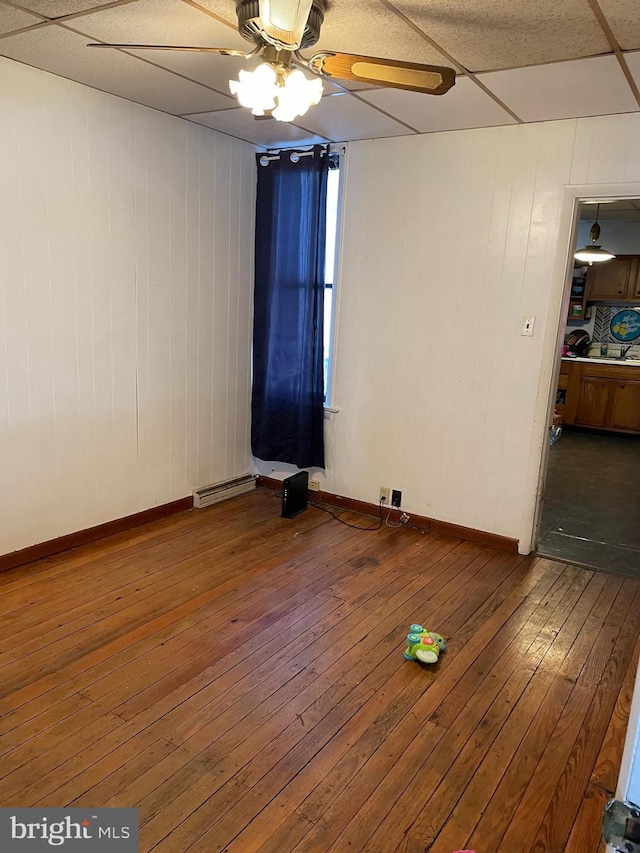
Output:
x=295 y=155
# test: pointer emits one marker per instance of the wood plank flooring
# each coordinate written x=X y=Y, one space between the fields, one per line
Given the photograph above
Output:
x=239 y=678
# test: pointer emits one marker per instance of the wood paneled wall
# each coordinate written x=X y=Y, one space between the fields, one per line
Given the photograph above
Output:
x=449 y=241
x=126 y=255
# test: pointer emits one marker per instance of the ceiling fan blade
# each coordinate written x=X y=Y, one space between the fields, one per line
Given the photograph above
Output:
x=283 y=21
x=430 y=79
x=222 y=50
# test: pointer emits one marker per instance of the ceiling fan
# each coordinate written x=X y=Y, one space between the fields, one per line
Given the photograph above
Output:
x=279 y=29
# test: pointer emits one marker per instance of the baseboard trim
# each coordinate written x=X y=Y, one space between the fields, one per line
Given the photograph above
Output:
x=482 y=537
x=91 y=534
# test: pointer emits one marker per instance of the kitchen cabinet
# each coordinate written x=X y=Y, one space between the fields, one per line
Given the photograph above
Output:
x=615 y=281
x=593 y=401
x=625 y=404
x=602 y=396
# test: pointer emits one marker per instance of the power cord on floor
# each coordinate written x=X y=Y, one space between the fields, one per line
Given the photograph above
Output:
x=405 y=521
x=347 y=523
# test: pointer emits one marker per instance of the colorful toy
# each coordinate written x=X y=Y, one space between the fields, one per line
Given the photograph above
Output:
x=423 y=645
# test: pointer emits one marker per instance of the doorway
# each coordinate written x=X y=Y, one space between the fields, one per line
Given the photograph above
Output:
x=591 y=499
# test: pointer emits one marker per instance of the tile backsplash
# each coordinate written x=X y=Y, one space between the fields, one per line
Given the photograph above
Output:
x=602 y=323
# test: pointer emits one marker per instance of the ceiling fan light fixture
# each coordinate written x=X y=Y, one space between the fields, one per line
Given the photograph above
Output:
x=285 y=93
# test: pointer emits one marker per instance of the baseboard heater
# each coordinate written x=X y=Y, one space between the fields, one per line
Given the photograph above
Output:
x=222 y=491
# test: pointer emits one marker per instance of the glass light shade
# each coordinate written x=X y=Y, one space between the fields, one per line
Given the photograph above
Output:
x=287 y=94
x=296 y=95
x=593 y=255
x=257 y=89
x=284 y=22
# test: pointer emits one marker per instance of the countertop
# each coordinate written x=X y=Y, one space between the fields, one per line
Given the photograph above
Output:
x=624 y=362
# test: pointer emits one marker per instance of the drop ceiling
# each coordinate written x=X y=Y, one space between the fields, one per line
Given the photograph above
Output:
x=625 y=210
x=516 y=61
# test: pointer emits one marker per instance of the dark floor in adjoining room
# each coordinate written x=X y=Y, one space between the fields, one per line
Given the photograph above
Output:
x=591 y=511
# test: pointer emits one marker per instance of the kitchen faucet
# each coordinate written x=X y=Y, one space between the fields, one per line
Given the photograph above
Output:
x=624 y=350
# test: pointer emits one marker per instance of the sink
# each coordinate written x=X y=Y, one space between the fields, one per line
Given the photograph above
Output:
x=614 y=359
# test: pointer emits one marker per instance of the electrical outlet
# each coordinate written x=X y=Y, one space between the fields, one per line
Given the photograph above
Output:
x=404 y=518
x=396 y=498
x=314 y=485
x=385 y=495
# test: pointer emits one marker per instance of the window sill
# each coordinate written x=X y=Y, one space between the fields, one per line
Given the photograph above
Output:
x=330 y=411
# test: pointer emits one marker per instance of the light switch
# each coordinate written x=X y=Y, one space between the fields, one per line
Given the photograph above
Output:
x=527 y=326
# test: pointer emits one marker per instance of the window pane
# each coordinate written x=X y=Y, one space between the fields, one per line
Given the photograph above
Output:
x=332 y=224
x=328 y=301
x=333 y=185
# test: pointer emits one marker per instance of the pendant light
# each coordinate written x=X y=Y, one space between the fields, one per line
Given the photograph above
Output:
x=594 y=253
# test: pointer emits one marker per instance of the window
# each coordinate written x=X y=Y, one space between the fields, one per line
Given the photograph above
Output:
x=333 y=201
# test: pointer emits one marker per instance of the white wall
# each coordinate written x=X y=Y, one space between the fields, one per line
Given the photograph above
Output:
x=450 y=240
x=125 y=302
x=629 y=780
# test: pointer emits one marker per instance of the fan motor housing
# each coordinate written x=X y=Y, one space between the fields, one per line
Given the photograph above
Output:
x=248 y=12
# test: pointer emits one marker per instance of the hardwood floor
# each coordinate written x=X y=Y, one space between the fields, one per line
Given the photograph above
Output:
x=239 y=678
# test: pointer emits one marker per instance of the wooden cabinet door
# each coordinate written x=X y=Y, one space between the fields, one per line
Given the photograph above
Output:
x=610 y=280
x=592 y=405
x=625 y=405
x=633 y=285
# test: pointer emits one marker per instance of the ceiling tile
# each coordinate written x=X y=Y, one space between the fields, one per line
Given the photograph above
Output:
x=584 y=87
x=623 y=16
x=464 y=106
x=494 y=34
x=344 y=117
x=57 y=49
x=161 y=22
x=360 y=26
x=268 y=132
x=15 y=19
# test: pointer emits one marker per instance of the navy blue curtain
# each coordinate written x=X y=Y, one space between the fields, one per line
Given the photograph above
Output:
x=288 y=394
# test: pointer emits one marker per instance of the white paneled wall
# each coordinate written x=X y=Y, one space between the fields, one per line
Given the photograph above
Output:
x=126 y=240
x=450 y=240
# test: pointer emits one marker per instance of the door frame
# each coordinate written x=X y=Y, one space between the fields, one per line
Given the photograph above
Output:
x=572 y=196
